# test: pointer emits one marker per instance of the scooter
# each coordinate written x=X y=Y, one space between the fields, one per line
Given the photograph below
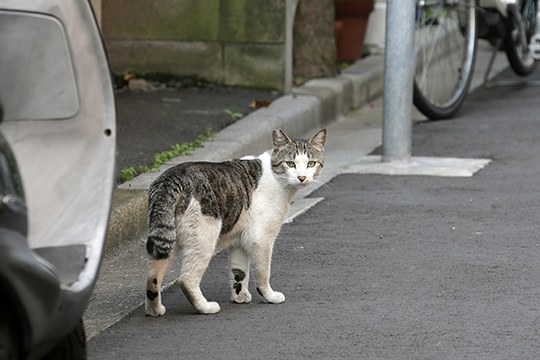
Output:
x=512 y=26
x=446 y=40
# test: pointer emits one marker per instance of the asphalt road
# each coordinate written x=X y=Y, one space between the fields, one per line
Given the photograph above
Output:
x=402 y=267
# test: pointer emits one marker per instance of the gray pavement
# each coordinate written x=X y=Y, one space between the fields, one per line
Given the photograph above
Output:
x=344 y=265
x=386 y=267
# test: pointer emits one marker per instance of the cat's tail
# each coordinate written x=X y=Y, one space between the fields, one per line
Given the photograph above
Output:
x=162 y=203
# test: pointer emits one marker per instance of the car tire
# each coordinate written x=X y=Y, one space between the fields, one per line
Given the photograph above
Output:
x=71 y=347
x=8 y=347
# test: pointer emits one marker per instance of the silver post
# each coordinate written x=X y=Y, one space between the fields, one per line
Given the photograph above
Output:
x=399 y=65
x=290 y=11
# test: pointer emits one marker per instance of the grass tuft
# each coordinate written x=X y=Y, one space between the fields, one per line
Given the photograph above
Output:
x=160 y=158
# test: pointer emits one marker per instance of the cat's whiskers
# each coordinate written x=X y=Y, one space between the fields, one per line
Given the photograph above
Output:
x=321 y=184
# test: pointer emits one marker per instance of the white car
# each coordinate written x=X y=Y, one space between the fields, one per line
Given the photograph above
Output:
x=57 y=157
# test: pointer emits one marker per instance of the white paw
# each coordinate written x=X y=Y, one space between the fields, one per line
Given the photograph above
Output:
x=275 y=297
x=243 y=297
x=210 y=308
x=154 y=310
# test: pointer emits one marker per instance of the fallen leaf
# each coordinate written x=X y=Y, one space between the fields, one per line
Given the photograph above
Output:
x=129 y=76
x=256 y=104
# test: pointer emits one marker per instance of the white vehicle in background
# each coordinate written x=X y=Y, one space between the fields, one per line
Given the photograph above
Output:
x=57 y=156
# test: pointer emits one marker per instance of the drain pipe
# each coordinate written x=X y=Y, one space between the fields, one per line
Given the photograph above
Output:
x=399 y=63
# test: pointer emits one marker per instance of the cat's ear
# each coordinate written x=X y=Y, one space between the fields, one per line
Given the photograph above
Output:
x=280 y=138
x=319 y=139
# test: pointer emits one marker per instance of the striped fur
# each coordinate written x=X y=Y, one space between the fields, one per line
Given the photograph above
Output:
x=222 y=189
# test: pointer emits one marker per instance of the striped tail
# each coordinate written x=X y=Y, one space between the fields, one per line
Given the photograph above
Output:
x=163 y=199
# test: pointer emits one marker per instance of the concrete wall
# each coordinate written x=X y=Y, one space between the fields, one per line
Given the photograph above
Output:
x=231 y=42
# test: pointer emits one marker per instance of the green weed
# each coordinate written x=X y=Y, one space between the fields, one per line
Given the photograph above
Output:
x=235 y=115
x=160 y=158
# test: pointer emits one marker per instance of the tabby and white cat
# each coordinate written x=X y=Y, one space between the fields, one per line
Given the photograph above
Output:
x=239 y=204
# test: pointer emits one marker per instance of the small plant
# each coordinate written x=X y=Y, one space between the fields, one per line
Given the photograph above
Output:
x=160 y=158
x=128 y=173
x=235 y=115
x=299 y=80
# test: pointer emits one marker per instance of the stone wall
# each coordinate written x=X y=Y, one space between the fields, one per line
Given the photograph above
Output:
x=230 y=42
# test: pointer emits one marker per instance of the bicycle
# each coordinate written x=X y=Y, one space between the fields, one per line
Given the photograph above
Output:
x=446 y=38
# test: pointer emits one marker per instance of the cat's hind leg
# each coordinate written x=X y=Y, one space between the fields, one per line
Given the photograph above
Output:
x=239 y=277
x=199 y=235
x=153 y=305
x=194 y=265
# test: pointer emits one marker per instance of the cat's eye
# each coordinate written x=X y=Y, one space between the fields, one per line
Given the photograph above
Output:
x=291 y=164
x=311 y=164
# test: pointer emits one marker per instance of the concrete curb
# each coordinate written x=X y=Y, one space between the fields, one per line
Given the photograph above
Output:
x=311 y=106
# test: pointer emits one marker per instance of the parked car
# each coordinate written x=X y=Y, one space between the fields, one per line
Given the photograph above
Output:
x=57 y=155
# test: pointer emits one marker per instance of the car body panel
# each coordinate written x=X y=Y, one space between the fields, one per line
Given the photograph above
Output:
x=59 y=120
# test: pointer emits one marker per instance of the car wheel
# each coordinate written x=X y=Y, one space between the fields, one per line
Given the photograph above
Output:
x=72 y=346
x=8 y=346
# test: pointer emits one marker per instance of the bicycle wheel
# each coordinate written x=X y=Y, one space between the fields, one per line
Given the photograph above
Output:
x=521 y=25
x=445 y=54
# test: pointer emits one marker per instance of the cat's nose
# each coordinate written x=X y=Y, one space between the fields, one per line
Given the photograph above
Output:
x=301 y=178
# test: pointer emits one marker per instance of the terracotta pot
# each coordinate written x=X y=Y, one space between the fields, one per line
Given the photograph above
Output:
x=350 y=27
x=353 y=7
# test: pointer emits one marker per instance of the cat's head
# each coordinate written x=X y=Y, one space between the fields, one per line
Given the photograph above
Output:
x=298 y=161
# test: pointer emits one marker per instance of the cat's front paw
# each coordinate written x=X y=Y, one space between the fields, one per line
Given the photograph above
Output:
x=243 y=297
x=273 y=297
x=209 y=308
x=151 y=310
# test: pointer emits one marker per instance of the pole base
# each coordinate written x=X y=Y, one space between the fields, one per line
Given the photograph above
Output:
x=426 y=166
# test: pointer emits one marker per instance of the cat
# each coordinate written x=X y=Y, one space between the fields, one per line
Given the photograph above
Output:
x=239 y=205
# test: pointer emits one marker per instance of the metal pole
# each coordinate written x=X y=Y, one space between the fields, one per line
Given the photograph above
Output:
x=399 y=62
x=290 y=11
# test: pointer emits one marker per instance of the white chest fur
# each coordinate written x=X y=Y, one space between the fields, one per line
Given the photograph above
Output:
x=272 y=197
x=268 y=209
